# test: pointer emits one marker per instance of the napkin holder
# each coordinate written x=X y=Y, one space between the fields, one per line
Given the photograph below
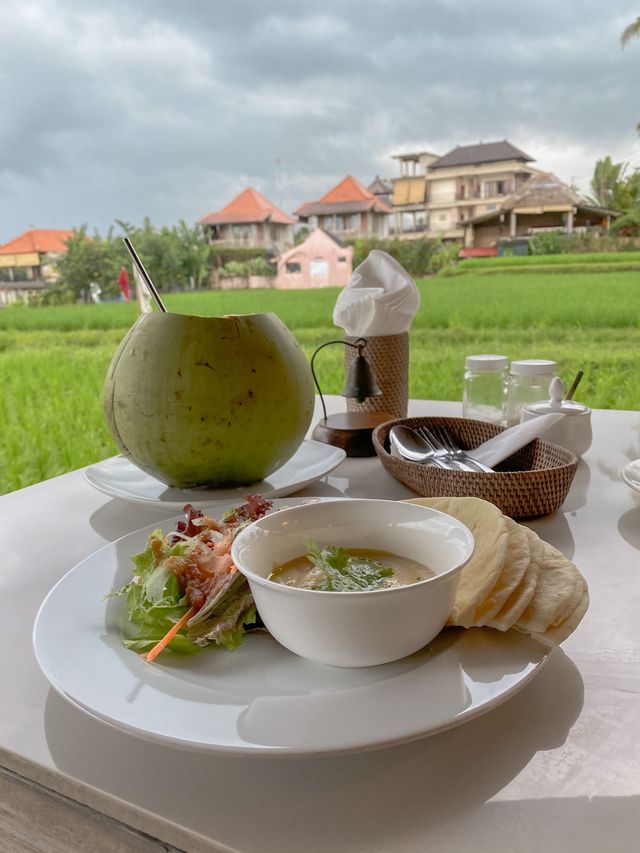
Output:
x=389 y=357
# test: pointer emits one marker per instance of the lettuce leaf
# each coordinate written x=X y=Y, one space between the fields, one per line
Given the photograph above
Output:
x=154 y=600
x=154 y=603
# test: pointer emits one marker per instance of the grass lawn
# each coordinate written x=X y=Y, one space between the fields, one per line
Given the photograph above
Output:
x=53 y=360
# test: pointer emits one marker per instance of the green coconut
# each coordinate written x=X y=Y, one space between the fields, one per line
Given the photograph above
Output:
x=209 y=400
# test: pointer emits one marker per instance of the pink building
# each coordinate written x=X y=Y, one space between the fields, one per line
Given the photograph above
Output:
x=321 y=261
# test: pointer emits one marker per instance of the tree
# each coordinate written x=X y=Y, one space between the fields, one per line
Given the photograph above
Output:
x=630 y=32
x=606 y=181
x=175 y=258
x=89 y=259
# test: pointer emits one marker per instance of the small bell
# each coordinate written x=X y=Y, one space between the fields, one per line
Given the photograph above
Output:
x=361 y=381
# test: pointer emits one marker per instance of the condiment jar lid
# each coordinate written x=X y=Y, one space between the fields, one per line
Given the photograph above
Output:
x=565 y=407
x=482 y=363
x=556 y=402
x=534 y=366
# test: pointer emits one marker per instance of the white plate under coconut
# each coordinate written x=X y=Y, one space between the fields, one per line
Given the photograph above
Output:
x=262 y=700
x=120 y=478
x=631 y=475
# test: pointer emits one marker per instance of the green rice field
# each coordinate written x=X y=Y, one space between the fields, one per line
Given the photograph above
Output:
x=53 y=360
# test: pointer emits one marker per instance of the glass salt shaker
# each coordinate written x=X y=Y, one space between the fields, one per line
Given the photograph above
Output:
x=485 y=388
x=528 y=383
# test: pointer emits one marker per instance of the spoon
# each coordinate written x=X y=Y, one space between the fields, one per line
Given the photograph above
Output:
x=415 y=448
x=574 y=385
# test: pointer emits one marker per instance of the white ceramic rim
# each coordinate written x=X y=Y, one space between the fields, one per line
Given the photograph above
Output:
x=503 y=650
x=297 y=590
x=631 y=475
x=294 y=480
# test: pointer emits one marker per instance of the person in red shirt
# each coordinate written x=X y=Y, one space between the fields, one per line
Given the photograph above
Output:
x=123 y=281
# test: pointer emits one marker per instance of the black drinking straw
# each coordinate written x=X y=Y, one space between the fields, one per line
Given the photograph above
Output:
x=145 y=275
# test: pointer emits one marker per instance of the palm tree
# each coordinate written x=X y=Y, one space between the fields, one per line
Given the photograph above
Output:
x=606 y=181
x=631 y=32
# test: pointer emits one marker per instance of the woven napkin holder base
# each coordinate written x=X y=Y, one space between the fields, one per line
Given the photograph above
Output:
x=389 y=358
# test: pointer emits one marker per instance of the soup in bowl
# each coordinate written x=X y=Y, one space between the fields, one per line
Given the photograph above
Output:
x=345 y=617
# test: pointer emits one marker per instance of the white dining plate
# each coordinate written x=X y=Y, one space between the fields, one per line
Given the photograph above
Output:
x=631 y=475
x=262 y=699
x=120 y=478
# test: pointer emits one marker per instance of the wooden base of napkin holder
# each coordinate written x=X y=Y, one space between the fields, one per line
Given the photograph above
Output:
x=351 y=431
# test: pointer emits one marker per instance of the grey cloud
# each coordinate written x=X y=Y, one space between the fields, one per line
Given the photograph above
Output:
x=156 y=108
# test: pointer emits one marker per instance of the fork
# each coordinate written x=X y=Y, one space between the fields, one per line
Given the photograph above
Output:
x=440 y=440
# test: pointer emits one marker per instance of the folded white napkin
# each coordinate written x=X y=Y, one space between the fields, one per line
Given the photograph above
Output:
x=380 y=299
x=501 y=446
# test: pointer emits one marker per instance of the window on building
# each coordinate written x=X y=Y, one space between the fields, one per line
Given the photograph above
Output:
x=442 y=217
x=339 y=223
x=240 y=231
x=294 y=267
x=494 y=188
x=342 y=259
x=319 y=267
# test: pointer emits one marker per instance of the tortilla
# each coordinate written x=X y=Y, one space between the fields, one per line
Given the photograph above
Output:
x=516 y=563
x=571 y=603
x=489 y=528
x=557 y=580
x=514 y=579
x=520 y=598
x=559 y=633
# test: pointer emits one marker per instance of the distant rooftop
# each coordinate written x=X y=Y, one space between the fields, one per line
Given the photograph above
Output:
x=248 y=206
x=379 y=186
x=483 y=152
x=348 y=196
x=416 y=155
x=40 y=240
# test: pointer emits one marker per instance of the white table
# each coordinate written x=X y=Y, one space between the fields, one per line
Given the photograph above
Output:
x=555 y=768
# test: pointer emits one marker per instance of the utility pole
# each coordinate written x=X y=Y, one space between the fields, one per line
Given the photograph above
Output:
x=279 y=182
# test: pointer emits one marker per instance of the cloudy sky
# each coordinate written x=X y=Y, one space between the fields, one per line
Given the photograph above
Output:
x=167 y=108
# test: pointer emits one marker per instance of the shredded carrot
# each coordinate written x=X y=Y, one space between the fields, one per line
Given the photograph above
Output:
x=164 y=642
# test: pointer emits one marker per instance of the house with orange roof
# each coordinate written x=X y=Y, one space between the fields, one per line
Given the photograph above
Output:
x=348 y=210
x=27 y=264
x=249 y=220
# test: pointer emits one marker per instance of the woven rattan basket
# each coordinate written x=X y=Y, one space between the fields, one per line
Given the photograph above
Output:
x=532 y=482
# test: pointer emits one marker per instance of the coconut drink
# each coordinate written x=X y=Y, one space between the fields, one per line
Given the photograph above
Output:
x=214 y=401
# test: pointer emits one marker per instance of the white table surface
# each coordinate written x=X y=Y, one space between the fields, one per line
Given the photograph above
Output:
x=555 y=768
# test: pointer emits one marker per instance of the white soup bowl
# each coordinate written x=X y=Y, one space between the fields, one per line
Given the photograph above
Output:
x=353 y=629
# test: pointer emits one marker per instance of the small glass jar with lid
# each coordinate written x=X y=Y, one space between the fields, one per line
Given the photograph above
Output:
x=529 y=381
x=484 y=396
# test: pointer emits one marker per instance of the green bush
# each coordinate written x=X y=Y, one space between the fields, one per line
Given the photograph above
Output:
x=220 y=256
x=620 y=239
x=546 y=243
x=234 y=269
x=628 y=225
x=419 y=257
x=261 y=266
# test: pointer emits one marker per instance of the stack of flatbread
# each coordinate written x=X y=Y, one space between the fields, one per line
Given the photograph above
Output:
x=514 y=579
